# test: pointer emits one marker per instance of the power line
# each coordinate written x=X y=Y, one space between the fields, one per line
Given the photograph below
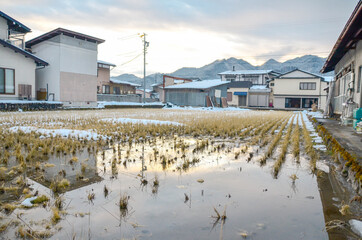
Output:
x=131 y=59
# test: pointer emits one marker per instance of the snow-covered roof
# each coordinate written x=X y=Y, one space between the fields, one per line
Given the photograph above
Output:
x=259 y=88
x=328 y=78
x=205 y=84
x=106 y=63
x=246 y=72
x=156 y=84
x=114 y=80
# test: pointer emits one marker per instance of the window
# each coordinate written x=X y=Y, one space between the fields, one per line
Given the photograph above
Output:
x=252 y=78
x=307 y=86
x=106 y=89
x=7 y=81
x=116 y=90
x=229 y=96
x=272 y=84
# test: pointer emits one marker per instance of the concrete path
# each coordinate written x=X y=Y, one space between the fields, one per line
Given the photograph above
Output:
x=345 y=135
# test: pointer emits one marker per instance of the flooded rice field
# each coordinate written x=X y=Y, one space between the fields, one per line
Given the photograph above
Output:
x=161 y=174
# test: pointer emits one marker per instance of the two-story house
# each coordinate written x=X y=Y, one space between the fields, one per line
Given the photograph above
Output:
x=248 y=87
x=298 y=89
x=17 y=66
x=72 y=75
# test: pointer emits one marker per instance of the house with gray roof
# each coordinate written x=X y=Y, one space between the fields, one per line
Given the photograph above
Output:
x=198 y=93
x=240 y=95
x=71 y=77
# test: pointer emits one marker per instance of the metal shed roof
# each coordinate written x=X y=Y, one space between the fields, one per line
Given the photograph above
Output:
x=205 y=84
x=65 y=32
x=106 y=63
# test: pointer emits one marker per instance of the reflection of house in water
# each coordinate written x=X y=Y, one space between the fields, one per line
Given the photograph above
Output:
x=71 y=170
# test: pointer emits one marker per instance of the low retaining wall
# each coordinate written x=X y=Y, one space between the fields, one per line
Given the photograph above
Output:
x=118 y=98
x=351 y=168
x=30 y=106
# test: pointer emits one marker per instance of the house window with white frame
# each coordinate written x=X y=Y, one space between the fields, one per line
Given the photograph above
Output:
x=106 y=89
x=7 y=81
x=307 y=86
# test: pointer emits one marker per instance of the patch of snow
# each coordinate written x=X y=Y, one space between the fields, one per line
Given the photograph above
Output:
x=140 y=121
x=174 y=107
x=321 y=147
x=27 y=202
x=356 y=226
x=58 y=132
x=321 y=165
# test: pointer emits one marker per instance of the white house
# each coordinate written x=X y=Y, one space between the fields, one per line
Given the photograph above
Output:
x=346 y=61
x=17 y=66
x=72 y=75
x=298 y=89
x=257 y=96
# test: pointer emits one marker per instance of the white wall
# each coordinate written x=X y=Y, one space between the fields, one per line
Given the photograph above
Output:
x=24 y=70
x=291 y=86
x=78 y=56
x=3 y=29
x=50 y=52
x=356 y=56
x=235 y=98
x=66 y=55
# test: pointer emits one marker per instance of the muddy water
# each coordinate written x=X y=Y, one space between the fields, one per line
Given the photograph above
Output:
x=256 y=203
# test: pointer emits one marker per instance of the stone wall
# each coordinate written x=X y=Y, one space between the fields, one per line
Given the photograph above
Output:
x=30 y=106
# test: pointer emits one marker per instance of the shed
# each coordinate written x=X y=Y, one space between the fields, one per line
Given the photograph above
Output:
x=197 y=93
x=259 y=96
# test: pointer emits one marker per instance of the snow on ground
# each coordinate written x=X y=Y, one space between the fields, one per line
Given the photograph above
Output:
x=139 y=121
x=103 y=104
x=174 y=107
x=60 y=132
x=356 y=226
x=310 y=128
x=314 y=114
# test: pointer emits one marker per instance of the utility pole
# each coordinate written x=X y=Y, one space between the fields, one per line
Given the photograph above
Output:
x=145 y=45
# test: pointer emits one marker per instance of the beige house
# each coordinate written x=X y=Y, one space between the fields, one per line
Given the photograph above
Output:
x=159 y=89
x=122 y=87
x=17 y=66
x=72 y=75
x=103 y=76
x=237 y=93
x=346 y=61
x=298 y=89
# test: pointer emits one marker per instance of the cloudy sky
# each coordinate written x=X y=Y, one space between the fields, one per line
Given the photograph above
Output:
x=191 y=33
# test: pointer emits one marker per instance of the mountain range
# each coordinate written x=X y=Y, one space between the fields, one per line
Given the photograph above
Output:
x=308 y=63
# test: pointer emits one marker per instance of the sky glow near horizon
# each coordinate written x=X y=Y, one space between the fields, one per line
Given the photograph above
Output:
x=187 y=33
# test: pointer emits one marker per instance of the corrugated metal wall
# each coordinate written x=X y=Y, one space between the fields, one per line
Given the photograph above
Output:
x=192 y=97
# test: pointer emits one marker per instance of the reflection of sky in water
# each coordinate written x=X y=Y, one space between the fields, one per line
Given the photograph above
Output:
x=283 y=211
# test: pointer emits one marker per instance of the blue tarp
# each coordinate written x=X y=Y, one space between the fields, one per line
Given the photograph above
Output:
x=241 y=93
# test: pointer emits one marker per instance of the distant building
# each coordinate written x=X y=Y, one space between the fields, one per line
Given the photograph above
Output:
x=256 y=77
x=158 y=88
x=346 y=61
x=298 y=89
x=258 y=96
x=103 y=77
x=72 y=75
x=237 y=93
x=148 y=94
x=198 y=94
x=17 y=66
